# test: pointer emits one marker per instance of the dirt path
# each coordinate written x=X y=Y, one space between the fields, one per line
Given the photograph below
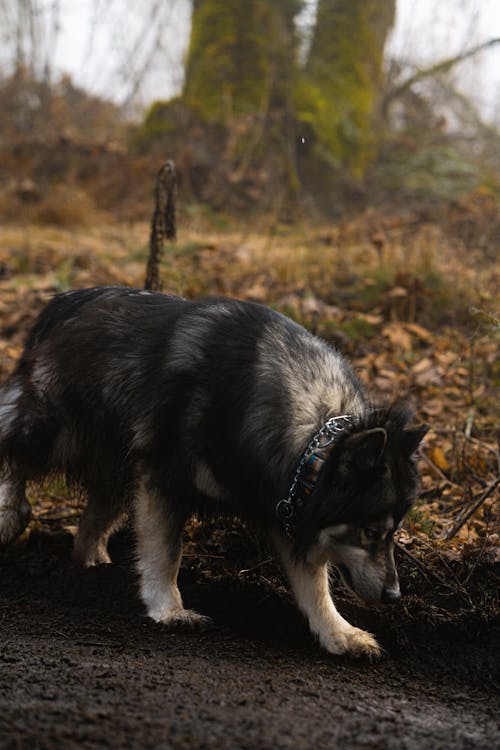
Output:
x=81 y=667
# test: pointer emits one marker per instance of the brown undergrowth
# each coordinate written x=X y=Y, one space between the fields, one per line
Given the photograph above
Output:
x=410 y=300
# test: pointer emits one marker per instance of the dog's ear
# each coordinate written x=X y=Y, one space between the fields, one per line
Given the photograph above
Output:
x=411 y=439
x=363 y=450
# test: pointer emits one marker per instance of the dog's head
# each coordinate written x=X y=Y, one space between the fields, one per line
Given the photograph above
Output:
x=366 y=487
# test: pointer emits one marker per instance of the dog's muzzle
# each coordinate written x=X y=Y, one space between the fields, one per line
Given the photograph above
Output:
x=390 y=595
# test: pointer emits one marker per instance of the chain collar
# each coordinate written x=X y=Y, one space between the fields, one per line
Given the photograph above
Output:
x=309 y=467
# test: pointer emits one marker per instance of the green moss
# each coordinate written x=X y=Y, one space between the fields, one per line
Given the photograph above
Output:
x=156 y=119
x=65 y=274
x=241 y=57
x=421 y=519
x=372 y=290
x=162 y=119
x=357 y=329
x=244 y=85
x=339 y=90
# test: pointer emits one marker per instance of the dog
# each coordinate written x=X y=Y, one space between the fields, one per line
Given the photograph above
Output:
x=166 y=408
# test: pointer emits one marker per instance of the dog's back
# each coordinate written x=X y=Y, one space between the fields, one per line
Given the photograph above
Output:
x=112 y=376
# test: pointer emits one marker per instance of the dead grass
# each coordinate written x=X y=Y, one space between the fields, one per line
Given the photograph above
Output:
x=402 y=303
x=63 y=206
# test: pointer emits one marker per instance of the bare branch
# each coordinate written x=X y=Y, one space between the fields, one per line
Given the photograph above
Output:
x=440 y=67
x=464 y=517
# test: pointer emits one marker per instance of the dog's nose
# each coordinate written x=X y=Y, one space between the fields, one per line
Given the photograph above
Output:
x=391 y=595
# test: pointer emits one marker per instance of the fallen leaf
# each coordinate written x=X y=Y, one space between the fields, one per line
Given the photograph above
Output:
x=374 y=320
x=419 y=331
x=398 y=292
x=384 y=384
x=422 y=365
x=438 y=458
x=432 y=407
x=429 y=376
x=398 y=336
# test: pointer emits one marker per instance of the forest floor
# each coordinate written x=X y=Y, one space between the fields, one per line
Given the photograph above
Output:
x=411 y=301
x=82 y=667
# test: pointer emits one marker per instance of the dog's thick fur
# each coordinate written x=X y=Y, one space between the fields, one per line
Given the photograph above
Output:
x=168 y=408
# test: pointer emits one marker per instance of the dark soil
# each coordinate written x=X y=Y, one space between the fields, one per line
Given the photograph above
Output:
x=82 y=667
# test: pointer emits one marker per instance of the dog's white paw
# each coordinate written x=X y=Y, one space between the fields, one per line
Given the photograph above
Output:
x=352 y=642
x=182 y=619
x=13 y=521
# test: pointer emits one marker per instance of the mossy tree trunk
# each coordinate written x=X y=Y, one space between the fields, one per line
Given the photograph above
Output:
x=242 y=57
x=339 y=92
x=269 y=122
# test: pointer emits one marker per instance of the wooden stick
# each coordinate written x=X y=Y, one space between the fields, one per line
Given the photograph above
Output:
x=465 y=515
x=435 y=468
x=163 y=223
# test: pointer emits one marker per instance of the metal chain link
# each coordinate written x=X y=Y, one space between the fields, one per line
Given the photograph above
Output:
x=285 y=509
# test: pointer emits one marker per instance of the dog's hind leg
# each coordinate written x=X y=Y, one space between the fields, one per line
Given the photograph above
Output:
x=310 y=586
x=101 y=517
x=15 y=510
x=159 y=548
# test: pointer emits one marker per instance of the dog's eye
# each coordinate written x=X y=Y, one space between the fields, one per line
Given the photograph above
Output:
x=371 y=534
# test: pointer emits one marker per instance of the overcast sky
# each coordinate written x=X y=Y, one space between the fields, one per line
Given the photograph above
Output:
x=94 y=34
x=430 y=30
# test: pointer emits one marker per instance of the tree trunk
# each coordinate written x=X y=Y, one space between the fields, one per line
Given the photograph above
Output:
x=340 y=90
x=241 y=58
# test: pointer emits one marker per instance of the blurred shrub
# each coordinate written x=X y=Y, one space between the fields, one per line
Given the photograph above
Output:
x=65 y=207
x=433 y=171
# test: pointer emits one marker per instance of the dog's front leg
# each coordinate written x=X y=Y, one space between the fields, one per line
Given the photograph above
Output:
x=159 y=549
x=310 y=586
x=15 y=510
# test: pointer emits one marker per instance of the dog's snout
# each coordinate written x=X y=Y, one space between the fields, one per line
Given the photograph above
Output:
x=391 y=595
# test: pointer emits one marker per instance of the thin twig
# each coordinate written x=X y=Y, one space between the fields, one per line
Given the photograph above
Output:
x=479 y=555
x=453 y=431
x=426 y=570
x=423 y=567
x=442 y=66
x=482 y=443
x=254 y=567
x=201 y=555
x=436 y=469
x=464 y=516
x=444 y=563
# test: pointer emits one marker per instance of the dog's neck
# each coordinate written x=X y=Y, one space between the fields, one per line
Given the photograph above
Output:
x=309 y=467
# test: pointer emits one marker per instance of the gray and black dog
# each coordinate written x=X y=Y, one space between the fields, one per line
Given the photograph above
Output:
x=166 y=408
